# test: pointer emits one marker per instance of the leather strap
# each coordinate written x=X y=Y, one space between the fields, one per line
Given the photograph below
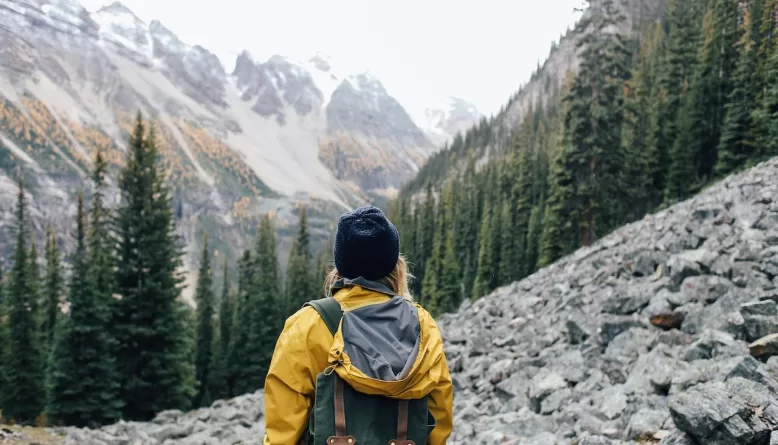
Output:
x=402 y=420
x=340 y=411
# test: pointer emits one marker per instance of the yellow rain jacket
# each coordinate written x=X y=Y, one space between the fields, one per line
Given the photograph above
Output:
x=306 y=347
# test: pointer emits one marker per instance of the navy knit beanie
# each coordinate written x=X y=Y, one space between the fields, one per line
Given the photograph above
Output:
x=367 y=244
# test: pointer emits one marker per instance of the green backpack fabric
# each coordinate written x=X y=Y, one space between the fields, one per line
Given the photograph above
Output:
x=343 y=416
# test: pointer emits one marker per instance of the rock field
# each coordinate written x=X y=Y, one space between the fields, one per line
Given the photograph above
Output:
x=665 y=331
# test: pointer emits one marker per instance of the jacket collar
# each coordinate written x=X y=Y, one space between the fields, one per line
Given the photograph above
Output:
x=361 y=282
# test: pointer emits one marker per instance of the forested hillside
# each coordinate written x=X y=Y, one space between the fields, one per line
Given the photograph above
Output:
x=109 y=337
x=644 y=122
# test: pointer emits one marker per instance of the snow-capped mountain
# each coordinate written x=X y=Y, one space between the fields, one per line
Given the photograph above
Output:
x=235 y=144
x=446 y=118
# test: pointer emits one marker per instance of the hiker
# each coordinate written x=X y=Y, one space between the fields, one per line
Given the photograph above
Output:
x=365 y=365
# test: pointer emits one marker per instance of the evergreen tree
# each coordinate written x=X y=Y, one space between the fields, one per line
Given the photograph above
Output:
x=37 y=306
x=299 y=277
x=483 y=277
x=643 y=174
x=204 y=357
x=53 y=288
x=220 y=381
x=559 y=219
x=737 y=145
x=467 y=228
x=83 y=380
x=450 y=285
x=594 y=123
x=533 y=237
x=508 y=248
x=24 y=394
x=523 y=196
x=425 y=239
x=150 y=322
x=239 y=352
x=258 y=323
x=677 y=64
x=766 y=116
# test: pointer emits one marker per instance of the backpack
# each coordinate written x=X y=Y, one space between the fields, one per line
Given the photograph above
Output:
x=340 y=415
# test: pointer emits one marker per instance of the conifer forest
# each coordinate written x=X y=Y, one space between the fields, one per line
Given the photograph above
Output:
x=99 y=334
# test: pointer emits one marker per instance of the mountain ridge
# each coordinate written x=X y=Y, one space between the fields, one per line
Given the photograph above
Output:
x=267 y=137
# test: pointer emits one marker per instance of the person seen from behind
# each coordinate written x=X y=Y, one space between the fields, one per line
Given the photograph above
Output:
x=365 y=365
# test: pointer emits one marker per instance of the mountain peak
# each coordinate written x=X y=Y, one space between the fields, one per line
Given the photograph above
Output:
x=117 y=8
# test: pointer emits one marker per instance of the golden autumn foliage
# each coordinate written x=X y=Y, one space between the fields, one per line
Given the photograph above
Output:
x=206 y=145
x=48 y=124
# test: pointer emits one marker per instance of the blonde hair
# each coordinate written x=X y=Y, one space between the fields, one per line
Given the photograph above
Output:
x=397 y=280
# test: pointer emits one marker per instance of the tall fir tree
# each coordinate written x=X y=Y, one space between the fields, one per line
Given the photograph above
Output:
x=83 y=380
x=737 y=145
x=300 y=286
x=241 y=353
x=206 y=310
x=594 y=124
x=24 y=390
x=643 y=173
x=220 y=381
x=483 y=278
x=151 y=322
x=52 y=288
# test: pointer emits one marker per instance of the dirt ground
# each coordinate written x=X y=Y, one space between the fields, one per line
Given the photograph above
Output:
x=27 y=436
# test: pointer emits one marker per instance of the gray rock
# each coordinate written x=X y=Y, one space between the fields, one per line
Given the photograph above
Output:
x=714 y=344
x=645 y=423
x=760 y=318
x=677 y=438
x=712 y=415
x=613 y=325
x=542 y=386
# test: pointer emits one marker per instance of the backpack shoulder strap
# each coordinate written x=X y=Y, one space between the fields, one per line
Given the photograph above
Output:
x=329 y=310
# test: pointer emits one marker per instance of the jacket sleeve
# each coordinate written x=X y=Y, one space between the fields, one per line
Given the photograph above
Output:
x=289 y=385
x=441 y=402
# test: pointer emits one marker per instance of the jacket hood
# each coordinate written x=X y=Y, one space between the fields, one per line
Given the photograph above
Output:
x=388 y=346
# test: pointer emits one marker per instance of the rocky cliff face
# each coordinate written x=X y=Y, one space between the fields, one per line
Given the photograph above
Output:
x=563 y=58
x=666 y=332
x=262 y=138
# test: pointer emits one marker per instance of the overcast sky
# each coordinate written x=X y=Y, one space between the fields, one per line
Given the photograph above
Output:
x=421 y=50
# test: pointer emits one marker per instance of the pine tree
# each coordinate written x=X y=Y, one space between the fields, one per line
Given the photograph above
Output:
x=220 y=382
x=53 y=289
x=425 y=239
x=523 y=197
x=533 y=237
x=675 y=74
x=299 y=278
x=24 y=393
x=644 y=172
x=766 y=115
x=595 y=104
x=737 y=145
x=37 y=305
x=204 y=358
x=483 y=277
x=559 y=218
x=467 y=227
x=83 y=381
x=450 y=283
x=239 y=353
x=508 y=265
x=258 y=324
x=150 y=323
